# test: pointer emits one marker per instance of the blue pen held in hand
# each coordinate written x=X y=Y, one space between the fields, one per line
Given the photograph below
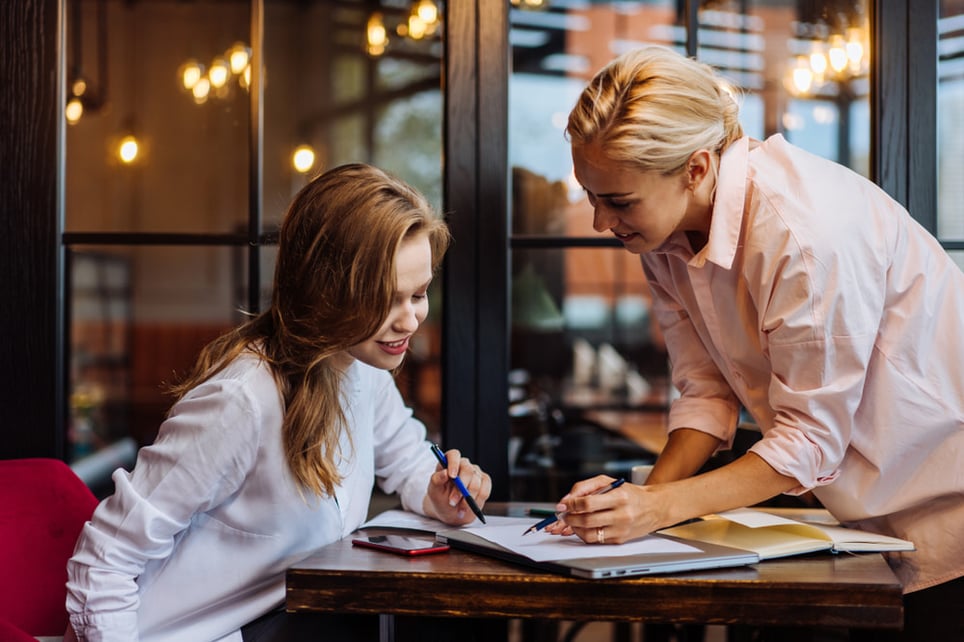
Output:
x=458 y=483
x=554 y=518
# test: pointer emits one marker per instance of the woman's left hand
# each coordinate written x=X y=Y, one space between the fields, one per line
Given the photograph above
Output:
x=444 y=501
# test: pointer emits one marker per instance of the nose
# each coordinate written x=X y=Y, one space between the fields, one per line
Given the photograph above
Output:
x=602 y=221
x=408 y=318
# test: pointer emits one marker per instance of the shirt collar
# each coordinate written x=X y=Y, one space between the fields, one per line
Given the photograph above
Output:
x=727 y=217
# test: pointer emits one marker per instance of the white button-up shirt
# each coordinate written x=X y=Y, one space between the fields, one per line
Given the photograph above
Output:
x=821 y=306
x=195 y=541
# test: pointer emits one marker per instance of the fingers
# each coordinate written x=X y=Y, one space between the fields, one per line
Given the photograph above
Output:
x=587 y=496
x=473 y=478
x=590 y=511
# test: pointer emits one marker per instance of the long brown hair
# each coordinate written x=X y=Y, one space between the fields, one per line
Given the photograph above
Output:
x=334 y=282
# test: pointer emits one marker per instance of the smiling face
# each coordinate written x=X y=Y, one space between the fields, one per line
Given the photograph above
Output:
x=642 y=209
x=413 y=268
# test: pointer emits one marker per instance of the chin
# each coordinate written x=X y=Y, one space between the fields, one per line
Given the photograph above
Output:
x=381 y=361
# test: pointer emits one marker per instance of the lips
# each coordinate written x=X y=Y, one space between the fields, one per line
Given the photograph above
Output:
x=394 y=347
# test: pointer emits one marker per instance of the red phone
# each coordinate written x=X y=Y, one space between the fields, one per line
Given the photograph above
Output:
x=401 y=545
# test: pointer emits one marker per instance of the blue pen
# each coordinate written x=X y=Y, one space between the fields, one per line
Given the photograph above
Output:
x=554 y=518
x=458 y=483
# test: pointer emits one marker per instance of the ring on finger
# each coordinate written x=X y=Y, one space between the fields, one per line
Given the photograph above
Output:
x=601 y=535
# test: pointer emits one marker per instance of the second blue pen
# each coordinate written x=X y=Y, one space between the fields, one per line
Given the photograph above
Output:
x=442 y=459
x=554 y=518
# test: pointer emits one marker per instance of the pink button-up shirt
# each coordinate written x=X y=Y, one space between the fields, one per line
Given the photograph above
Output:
x=821 y=306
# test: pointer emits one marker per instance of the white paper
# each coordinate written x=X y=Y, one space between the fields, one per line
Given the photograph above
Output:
x=541 y=546
x=755 y=518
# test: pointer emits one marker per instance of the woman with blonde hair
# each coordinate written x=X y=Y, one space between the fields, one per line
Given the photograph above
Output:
x=278 y=435
x=795 y=288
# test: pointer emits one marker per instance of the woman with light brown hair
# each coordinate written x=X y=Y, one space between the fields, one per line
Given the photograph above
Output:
x=793 y=287
x=279 y=433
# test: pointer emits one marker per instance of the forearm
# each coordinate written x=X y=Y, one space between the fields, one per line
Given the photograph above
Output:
x=747 y=481
x=685 y=452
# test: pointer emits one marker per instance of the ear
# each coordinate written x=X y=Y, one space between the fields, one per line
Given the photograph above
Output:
x=698 y=167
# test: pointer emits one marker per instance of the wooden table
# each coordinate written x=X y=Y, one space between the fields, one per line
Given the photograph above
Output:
x=820 y=590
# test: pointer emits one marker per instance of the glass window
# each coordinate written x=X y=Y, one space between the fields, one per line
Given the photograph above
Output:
x=158 y=123
x=589 y=373
x=950 y=124
x=141 y=306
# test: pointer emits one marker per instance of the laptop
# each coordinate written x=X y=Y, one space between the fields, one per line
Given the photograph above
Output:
x=706 y=556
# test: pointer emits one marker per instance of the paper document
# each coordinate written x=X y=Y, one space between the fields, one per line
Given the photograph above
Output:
x=538 y=546
x=541 y=546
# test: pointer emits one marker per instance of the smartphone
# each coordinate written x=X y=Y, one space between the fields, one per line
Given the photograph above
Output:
x=400 y=544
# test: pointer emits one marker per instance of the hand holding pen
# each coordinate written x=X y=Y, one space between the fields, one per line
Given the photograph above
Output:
x=466 y=495
x=554 y=518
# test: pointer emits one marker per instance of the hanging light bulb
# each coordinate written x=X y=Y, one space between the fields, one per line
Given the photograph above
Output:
x=800 y=78
x=190 y=73
x=79 y=87
x=416 y=27
x=219 y=72
x=127 y=149
x=303 y=158
x=245 y=78
x=201 y=90
x=818 y=62
x=239 y=55
x=427 y=11
x=74 y=110
x=855 y=49
x=376 y=35
x=837 y=53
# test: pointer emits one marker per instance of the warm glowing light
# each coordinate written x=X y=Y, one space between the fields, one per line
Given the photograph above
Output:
x=855 y=49
x=427 y=11
x=837 y=53
x=79 y=87
x=190 y=73
x=127 y=150
x=303 y=158
x=245 y=78
x=75 y=109
x=416 y=27
x=377 y=36
x=801 y=76
x=818 y=63
x=238 y=57
x=219 y=72
x=201 y=90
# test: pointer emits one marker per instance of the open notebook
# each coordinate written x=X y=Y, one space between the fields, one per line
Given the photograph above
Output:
x=649 y=555
x=772 y=534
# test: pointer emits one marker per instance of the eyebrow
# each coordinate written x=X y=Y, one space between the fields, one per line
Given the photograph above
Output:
x=609 y=194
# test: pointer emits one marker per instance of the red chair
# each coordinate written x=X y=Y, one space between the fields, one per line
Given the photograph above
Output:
x=43 y=506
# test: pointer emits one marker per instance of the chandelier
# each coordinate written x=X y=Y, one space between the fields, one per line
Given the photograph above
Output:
x=829 y=52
